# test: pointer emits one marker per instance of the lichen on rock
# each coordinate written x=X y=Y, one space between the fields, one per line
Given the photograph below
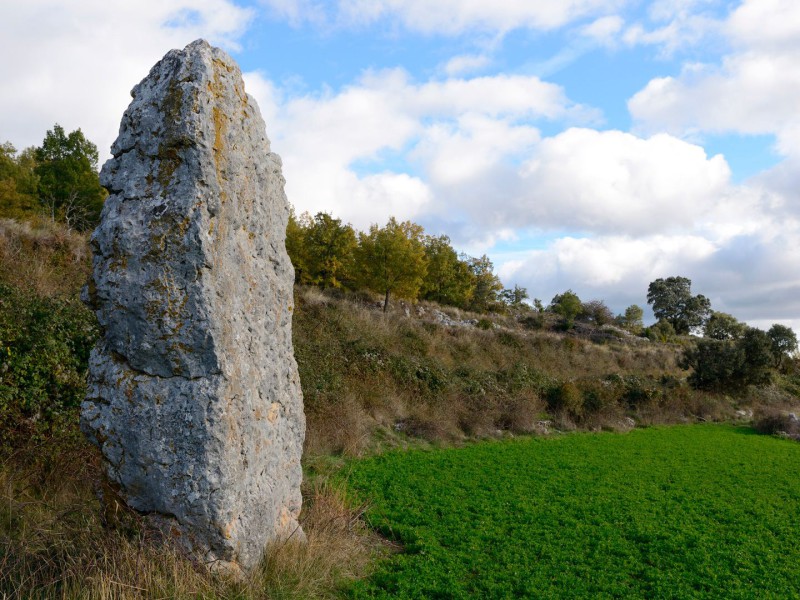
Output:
x=194 y=396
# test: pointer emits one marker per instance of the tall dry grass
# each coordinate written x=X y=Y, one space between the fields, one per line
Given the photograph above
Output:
x=56 y=541
x=43 y=257
x=372 y=378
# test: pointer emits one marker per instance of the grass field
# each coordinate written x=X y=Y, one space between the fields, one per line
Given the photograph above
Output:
x=703 y=511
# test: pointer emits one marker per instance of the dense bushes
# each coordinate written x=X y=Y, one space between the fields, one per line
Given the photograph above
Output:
x=772 y=421
x=732 y=364
x=44 y=352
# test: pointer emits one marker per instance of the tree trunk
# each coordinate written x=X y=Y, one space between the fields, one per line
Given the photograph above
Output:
x=386 y=301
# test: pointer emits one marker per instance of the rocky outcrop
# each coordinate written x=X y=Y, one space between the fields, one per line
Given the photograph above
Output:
x=194 y=397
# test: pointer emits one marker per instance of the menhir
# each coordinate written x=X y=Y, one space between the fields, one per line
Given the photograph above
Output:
x=194 y=397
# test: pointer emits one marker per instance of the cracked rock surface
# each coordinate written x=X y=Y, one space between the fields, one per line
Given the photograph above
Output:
x=194 y=397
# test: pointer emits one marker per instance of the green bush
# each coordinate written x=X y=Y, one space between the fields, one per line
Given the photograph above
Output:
x=566 y=398
x=44 y=354
x=484 y=324
x=534 y=321
x=662 y=331
x=730 y=365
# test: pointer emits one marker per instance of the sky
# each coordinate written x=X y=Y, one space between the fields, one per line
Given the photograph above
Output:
x=592 y=145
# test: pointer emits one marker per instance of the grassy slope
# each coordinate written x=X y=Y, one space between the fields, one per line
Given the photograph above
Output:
x=366 y=375
x=698 y=511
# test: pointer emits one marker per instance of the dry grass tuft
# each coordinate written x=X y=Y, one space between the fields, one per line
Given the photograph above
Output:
x=773 y=421
x=55 y=542
x=338 y=548
x=339 y=428
x=43 y=257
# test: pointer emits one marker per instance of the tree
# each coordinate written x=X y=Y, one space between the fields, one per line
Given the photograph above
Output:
x=448 y=280
x=596 y=311
x=68 y=182
x=722 y=326
x=730 y=364
x=515 y=298
x=296 y=245
x=758 y=357
x=329 y=249
x=715 y=364
x=567 y=306
x=18 y=183
x=672 y=300
x=631 y=319
x=783 y=341
x=391 y=259
x=487 y=285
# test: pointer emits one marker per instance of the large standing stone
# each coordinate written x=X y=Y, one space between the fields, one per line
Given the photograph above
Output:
x=194 y=396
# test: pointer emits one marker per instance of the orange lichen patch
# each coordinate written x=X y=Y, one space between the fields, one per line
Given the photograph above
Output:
x=274 y=411
x=284 y=519
x=129 y=390
x=227 y=530
x=220 y=161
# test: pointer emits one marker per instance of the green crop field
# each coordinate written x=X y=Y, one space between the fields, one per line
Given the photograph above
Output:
x=702 y=511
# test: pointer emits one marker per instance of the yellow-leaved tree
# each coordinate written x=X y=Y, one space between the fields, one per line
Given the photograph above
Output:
x=391 y=259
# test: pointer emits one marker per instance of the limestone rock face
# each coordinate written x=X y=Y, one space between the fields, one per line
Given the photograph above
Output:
x=194 y=396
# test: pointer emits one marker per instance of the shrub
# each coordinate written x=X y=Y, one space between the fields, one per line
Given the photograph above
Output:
x=484 y=324
x=596 y=311
x=520 y=414
x=566 y=398
x=663 y=331
x=772 y=422
x=722 y=364
x=568 y=306
x=44 y=354
x=715 y=364
x=534 y=321
x=600 y=396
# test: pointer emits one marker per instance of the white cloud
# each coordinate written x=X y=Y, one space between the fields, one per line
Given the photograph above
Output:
x=675 y=25
x=297 y=12
x=603 y=30
x=614 y=181
x=766 y=25
x=749 y=93
x=449 y=17
x=753 y=90
x=466 y=63
x=74 y=62
x=448 y=131
x=468 y=148
x=754 y=277
x=614 y=268
x=586 y=180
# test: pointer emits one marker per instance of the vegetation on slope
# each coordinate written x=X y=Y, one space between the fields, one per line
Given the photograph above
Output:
x=367 y=375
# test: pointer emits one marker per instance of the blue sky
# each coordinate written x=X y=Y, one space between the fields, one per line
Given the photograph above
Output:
x=586 y=144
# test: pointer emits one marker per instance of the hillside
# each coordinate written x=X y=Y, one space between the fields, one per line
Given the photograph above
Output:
x=371 y=377
x=414 y=375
